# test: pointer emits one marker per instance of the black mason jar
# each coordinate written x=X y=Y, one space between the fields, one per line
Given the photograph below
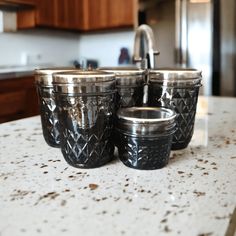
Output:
x=177 y=89
x=145 y=136
x=129 y=84
x=86 y=106
x=48 y=109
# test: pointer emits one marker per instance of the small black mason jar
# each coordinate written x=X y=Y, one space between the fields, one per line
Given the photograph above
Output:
x=145 y=136
x=48 y=109
x=129 y=84
x=86 y=106
x=177 y=89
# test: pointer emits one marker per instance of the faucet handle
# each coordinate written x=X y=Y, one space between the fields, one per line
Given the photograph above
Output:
x=151 y=58
x=156 y=53
x=141 y=63
x=137 y=59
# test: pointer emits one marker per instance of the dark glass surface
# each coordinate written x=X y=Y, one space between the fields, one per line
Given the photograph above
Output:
x=86 y=124
x=184 y=102
x=129 y=96
x=145 y=153
x=49 y=116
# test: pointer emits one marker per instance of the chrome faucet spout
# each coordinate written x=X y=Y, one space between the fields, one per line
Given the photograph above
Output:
x=145 y=53
x=145 y=50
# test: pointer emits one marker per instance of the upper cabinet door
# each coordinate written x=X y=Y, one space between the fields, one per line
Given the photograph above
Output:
x=86 y=15
x=96 y=14
x=121 y=13
x=19 y=2
x=46 y=13
x=106 y=14
x=69 y=14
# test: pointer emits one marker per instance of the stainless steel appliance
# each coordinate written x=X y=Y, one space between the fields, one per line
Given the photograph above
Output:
x=184 y=29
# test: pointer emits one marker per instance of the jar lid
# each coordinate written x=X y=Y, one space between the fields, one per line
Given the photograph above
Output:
x=176 y=76
x=127 y=76
x=44 y=76
x=124 y=71
x=82 y=76
x=84 y=82
x=146 y=121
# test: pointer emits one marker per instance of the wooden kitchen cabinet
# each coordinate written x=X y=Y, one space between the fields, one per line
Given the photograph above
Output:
x=18 y=98
x=42 y=15
x=25 y=13
x=69 y=14
x=106 y=14
x=60 y=14
x=19 y=2
x=45 y=13
x=122 y=13
x=82 y=15
x=96 y=14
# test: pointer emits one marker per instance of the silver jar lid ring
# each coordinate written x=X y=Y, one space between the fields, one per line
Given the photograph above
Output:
x=82 y=76
x=146 y=121
x=43 y=76
x=146 y=114
x=173 y=74
x=124 y=71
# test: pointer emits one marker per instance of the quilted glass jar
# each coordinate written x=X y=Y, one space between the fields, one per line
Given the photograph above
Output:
x=86 y=105
x=177 y=89
x=48 y=109
x=145 y=136
x=129 y=84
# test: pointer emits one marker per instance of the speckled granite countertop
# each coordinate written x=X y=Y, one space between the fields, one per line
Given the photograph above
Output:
x=194 y=195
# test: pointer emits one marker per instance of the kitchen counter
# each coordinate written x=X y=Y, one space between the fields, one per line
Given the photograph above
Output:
x=15 y=71
x=11 y=72
x=195 y=194
x=15 y=74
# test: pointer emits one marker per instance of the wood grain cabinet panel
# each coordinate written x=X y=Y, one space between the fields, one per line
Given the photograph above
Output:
x=96 y=14
x=45 y=13
x=59 y=14
x=121 y=13
x=76 y=12
x=29 y=3
x=26 y=19
x=108 y=14
x=62 y=14
x=69 y=14
x=82 y=15
x=18 y=98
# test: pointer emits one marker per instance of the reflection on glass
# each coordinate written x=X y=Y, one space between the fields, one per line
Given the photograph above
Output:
x=200 y=136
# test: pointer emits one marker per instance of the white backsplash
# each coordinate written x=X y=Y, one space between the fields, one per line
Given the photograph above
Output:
x=38 y=47
x=105 y=46
x=35 y=47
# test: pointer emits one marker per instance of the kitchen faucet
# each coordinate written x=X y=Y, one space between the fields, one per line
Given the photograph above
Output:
x=145 y=53
x=145 y=47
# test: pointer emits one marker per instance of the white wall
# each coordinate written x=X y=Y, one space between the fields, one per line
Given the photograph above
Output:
x=105 y=46
x=61 y=48
x=55 y=47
